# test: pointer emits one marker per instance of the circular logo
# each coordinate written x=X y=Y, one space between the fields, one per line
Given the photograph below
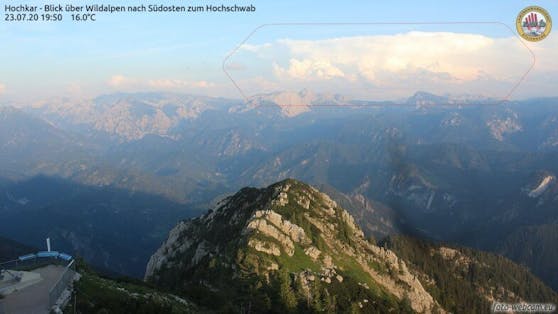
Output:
x=533 y=23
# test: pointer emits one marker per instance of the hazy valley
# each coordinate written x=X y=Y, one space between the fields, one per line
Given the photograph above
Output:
x=108 y=178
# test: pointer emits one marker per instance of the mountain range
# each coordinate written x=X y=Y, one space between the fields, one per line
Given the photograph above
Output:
x=464 y=170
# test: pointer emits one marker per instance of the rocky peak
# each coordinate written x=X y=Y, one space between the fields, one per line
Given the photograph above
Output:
x=291 y=233
x=505 y=123
x=423 y=99
x=293 y=103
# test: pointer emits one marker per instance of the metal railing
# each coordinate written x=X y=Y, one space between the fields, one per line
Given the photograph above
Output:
x=37 y=261
x=9 y=264
x=62 y=283
x=40 y=259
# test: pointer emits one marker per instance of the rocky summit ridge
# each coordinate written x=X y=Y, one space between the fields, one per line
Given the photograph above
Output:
x=286 y=247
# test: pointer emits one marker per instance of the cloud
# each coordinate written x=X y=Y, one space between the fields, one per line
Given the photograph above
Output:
x=256 y=48
x=129 y=83
x=119 y=81
x=177 y=84
x=462 y=56
x=405 y=62
x=2 y=88
x=311 y=69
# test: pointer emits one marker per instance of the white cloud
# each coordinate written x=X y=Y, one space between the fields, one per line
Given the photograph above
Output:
x=310 y=69
x=406 y=62
x=120 y=81
x=130 y=83
x=462 y=56
x=178 y=84
x=256 y=48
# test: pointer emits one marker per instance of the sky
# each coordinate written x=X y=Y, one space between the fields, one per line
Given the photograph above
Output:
x=365 y=49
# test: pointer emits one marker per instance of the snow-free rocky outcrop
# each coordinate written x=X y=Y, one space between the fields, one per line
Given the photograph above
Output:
x=286 y=246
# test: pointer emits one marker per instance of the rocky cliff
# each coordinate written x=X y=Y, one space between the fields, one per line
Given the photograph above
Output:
x=286 y=246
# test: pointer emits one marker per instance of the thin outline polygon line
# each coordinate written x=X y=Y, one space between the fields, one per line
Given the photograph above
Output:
x=246 y=98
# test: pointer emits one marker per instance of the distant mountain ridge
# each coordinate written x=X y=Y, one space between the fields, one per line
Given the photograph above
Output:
x=131 y=116
x=467 y=174
x=426 y=99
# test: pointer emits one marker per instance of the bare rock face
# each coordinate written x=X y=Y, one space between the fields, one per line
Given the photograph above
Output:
x=288 y=227
x=501 y=126
x=294 y=232
x=543 y=185
x=169 y=248
x=313 y=252
x=265 y=247
x=293 y=103
x=129 y=116
x=263 y=226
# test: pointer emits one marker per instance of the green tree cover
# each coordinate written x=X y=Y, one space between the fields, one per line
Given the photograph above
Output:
x=464 y=283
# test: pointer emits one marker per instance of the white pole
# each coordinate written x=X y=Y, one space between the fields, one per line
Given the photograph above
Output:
x=48 y=244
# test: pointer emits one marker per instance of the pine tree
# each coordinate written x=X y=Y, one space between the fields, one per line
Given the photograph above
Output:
x=286 y=291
